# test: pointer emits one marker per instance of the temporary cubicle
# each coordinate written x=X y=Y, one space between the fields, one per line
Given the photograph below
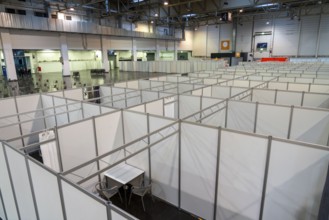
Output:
x=170 y=66
x=199 y=179
x=23 y=118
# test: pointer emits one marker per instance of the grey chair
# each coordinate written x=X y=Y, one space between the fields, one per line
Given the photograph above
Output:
x=141 y=190
x=107 y=191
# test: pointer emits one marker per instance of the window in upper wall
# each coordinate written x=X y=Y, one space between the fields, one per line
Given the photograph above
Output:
x=21 y=12
x=41 y=14
x=10 y=10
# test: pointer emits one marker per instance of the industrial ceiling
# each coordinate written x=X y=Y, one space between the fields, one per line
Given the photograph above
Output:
x=172 y=13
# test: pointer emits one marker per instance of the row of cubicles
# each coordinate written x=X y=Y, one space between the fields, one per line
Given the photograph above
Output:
x=237 y=148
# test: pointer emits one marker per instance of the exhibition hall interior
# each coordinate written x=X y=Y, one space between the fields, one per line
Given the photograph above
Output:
x=164 y=109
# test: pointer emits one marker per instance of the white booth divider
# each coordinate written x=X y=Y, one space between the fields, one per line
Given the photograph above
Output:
x=211 y=172
x=8 y=197
x=78 y=205
x=164 y=162
x=47 y=194
x=198 y=166
x=77 y=137
x=21 y=183
x=295 y=181
x=241 y=175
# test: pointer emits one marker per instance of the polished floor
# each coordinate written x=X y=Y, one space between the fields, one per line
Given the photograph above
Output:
x=155 y=209
x=47 y=82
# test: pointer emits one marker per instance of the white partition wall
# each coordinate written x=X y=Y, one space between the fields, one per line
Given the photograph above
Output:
x=164 y=162
x=61 y=115
x=241 y=175
x=78 y=205
x=135 y=126
x=310 y=126
x=21 y=183
x=8 y=197
x=109 y=134
x=241 y=116
x=295 y=182
x=45 y=185
x=198 y=166
x=273 y=120
x=78 y=137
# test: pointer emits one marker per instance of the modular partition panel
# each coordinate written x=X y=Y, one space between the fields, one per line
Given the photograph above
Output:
x=164 y=161
x=296 y=177
x=273 y=120
x=241 y=175
x=21 y=183
x=109 y=136
x=76 y=94
x=241 y=116
x=198 y=167
x=46 y=190
x=7 y=191
x=77 y=145
x=310 y=126
x=79 y=205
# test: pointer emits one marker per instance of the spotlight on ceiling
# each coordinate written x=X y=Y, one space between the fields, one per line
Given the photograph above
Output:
x=165 y=3
x=156 y=15
x=241 y=10
x=152 y=22
x=267 y=22
x=71 y=9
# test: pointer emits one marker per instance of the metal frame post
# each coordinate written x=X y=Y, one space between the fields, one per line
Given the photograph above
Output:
x=267 y=165
x=31 y=187
x=217 y=170
x=11 y=181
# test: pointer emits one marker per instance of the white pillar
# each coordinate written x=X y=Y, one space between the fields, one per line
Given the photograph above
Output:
x=105 y=57
x=134 y=49
x=65 y=61
x=175 y=50
x=9 y=60
x=8 y=55
x=157 y=50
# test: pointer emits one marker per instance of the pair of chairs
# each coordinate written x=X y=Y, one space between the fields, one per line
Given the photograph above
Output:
x=107 y=191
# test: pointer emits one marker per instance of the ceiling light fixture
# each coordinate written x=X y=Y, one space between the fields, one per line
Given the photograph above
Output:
x=152 y=22
x=267 y=22
x=71 y=9
x=241 y=10
x=156 y=15
x=165 y=3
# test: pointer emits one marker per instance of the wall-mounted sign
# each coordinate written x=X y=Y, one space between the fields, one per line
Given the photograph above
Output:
x=261 y=47
x=225 y=45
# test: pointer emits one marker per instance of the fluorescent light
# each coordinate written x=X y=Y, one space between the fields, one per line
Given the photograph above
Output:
x=189 y=15
x=266 y=5
x=71 y=9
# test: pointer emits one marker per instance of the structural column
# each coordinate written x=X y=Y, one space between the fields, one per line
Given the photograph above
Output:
x=175 y=50
x=157 y=50
x=9 y=60
x=105 y=58
x=134 y=49
x=65 y=61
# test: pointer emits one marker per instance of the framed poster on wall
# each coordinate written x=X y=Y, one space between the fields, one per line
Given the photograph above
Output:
x=225 y=45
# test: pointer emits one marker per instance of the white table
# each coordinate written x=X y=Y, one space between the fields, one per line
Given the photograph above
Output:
x=123 y=173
